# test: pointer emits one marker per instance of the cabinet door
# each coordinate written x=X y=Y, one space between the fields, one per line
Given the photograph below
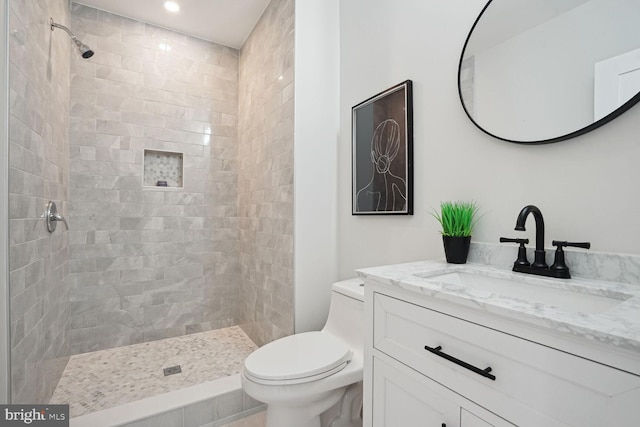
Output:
x=402 y=400
x=403 y=397
x=467 y=419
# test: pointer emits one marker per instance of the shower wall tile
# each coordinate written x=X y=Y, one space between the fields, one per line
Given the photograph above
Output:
x=39 y=77
x=265 y=174
x=148 y=263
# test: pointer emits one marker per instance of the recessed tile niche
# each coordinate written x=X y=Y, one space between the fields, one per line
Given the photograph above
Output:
x=163 y=167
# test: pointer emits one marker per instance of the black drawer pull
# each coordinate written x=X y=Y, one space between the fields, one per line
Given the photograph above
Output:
x=438 y=352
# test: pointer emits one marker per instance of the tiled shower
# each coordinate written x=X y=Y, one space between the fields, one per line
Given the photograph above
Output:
x=143 y=262
x=151 y=262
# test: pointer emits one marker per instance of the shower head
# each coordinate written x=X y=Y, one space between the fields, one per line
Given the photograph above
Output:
x=85 y=50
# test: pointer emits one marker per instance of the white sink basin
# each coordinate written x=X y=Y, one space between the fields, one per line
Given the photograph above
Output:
x=567 y=296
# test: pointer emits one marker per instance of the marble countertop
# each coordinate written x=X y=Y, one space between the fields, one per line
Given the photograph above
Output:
x=615 y=322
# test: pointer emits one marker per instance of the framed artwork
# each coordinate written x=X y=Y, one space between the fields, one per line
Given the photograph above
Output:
x=382 y=140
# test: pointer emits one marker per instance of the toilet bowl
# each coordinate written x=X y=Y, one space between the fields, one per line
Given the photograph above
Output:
x=301 y=376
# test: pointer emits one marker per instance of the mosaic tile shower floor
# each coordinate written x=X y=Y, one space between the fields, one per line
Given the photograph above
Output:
x=108 y=378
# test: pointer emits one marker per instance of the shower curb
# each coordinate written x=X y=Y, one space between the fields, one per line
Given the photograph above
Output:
x=201 y=405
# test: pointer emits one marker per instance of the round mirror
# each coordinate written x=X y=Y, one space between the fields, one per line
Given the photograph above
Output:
x=548 y=70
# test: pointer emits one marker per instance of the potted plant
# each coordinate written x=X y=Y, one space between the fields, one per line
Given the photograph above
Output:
x=457 y=220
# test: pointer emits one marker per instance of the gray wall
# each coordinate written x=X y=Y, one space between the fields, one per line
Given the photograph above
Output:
x=5 y=326
x=39 y=166
x=150 y=263
x=265 y=181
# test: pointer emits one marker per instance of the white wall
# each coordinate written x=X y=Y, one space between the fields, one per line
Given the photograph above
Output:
x=315 y=151
x=586 y=187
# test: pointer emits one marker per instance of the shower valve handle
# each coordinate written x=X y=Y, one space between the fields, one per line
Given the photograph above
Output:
x=52 y=216
x=58 y=217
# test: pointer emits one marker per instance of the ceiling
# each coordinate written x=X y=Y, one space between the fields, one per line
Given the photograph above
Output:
x=226 y=22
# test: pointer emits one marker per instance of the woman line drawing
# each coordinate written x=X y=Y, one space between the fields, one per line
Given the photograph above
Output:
x=385 y=191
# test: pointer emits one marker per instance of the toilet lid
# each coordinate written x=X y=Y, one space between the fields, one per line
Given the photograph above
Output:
x=298 y=357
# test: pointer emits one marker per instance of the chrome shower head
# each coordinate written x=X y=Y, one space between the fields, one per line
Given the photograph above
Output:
x=85 y=50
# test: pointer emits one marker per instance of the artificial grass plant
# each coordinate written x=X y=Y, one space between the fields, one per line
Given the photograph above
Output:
x=457 y=218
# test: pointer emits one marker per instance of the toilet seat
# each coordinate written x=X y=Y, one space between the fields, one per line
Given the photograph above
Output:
x=297 y=359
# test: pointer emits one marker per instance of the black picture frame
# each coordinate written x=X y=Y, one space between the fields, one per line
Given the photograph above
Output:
x=382 y=159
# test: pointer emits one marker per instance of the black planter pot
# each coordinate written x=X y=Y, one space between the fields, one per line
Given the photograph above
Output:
x=456 y=248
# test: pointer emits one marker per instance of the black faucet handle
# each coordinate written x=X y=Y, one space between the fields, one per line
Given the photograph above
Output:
x=563 y=243
x=559 y=266
x=511 y=240
x=522 y=251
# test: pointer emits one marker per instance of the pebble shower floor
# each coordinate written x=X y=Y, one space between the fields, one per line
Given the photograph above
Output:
x=111 y=377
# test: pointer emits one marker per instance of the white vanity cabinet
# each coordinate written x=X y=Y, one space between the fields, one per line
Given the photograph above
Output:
x=431 y=363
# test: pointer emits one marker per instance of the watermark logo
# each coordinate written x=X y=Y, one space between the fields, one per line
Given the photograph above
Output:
x=34 y=415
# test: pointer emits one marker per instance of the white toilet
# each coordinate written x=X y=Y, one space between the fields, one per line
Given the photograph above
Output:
x=303 y=375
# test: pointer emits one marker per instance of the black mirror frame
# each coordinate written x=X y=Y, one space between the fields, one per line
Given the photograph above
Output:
x=606 y=119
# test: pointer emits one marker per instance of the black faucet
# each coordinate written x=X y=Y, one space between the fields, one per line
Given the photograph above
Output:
x=539 y=257
x=559 y=269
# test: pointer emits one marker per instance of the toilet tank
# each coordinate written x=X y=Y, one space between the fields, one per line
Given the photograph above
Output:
x=346 y=313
